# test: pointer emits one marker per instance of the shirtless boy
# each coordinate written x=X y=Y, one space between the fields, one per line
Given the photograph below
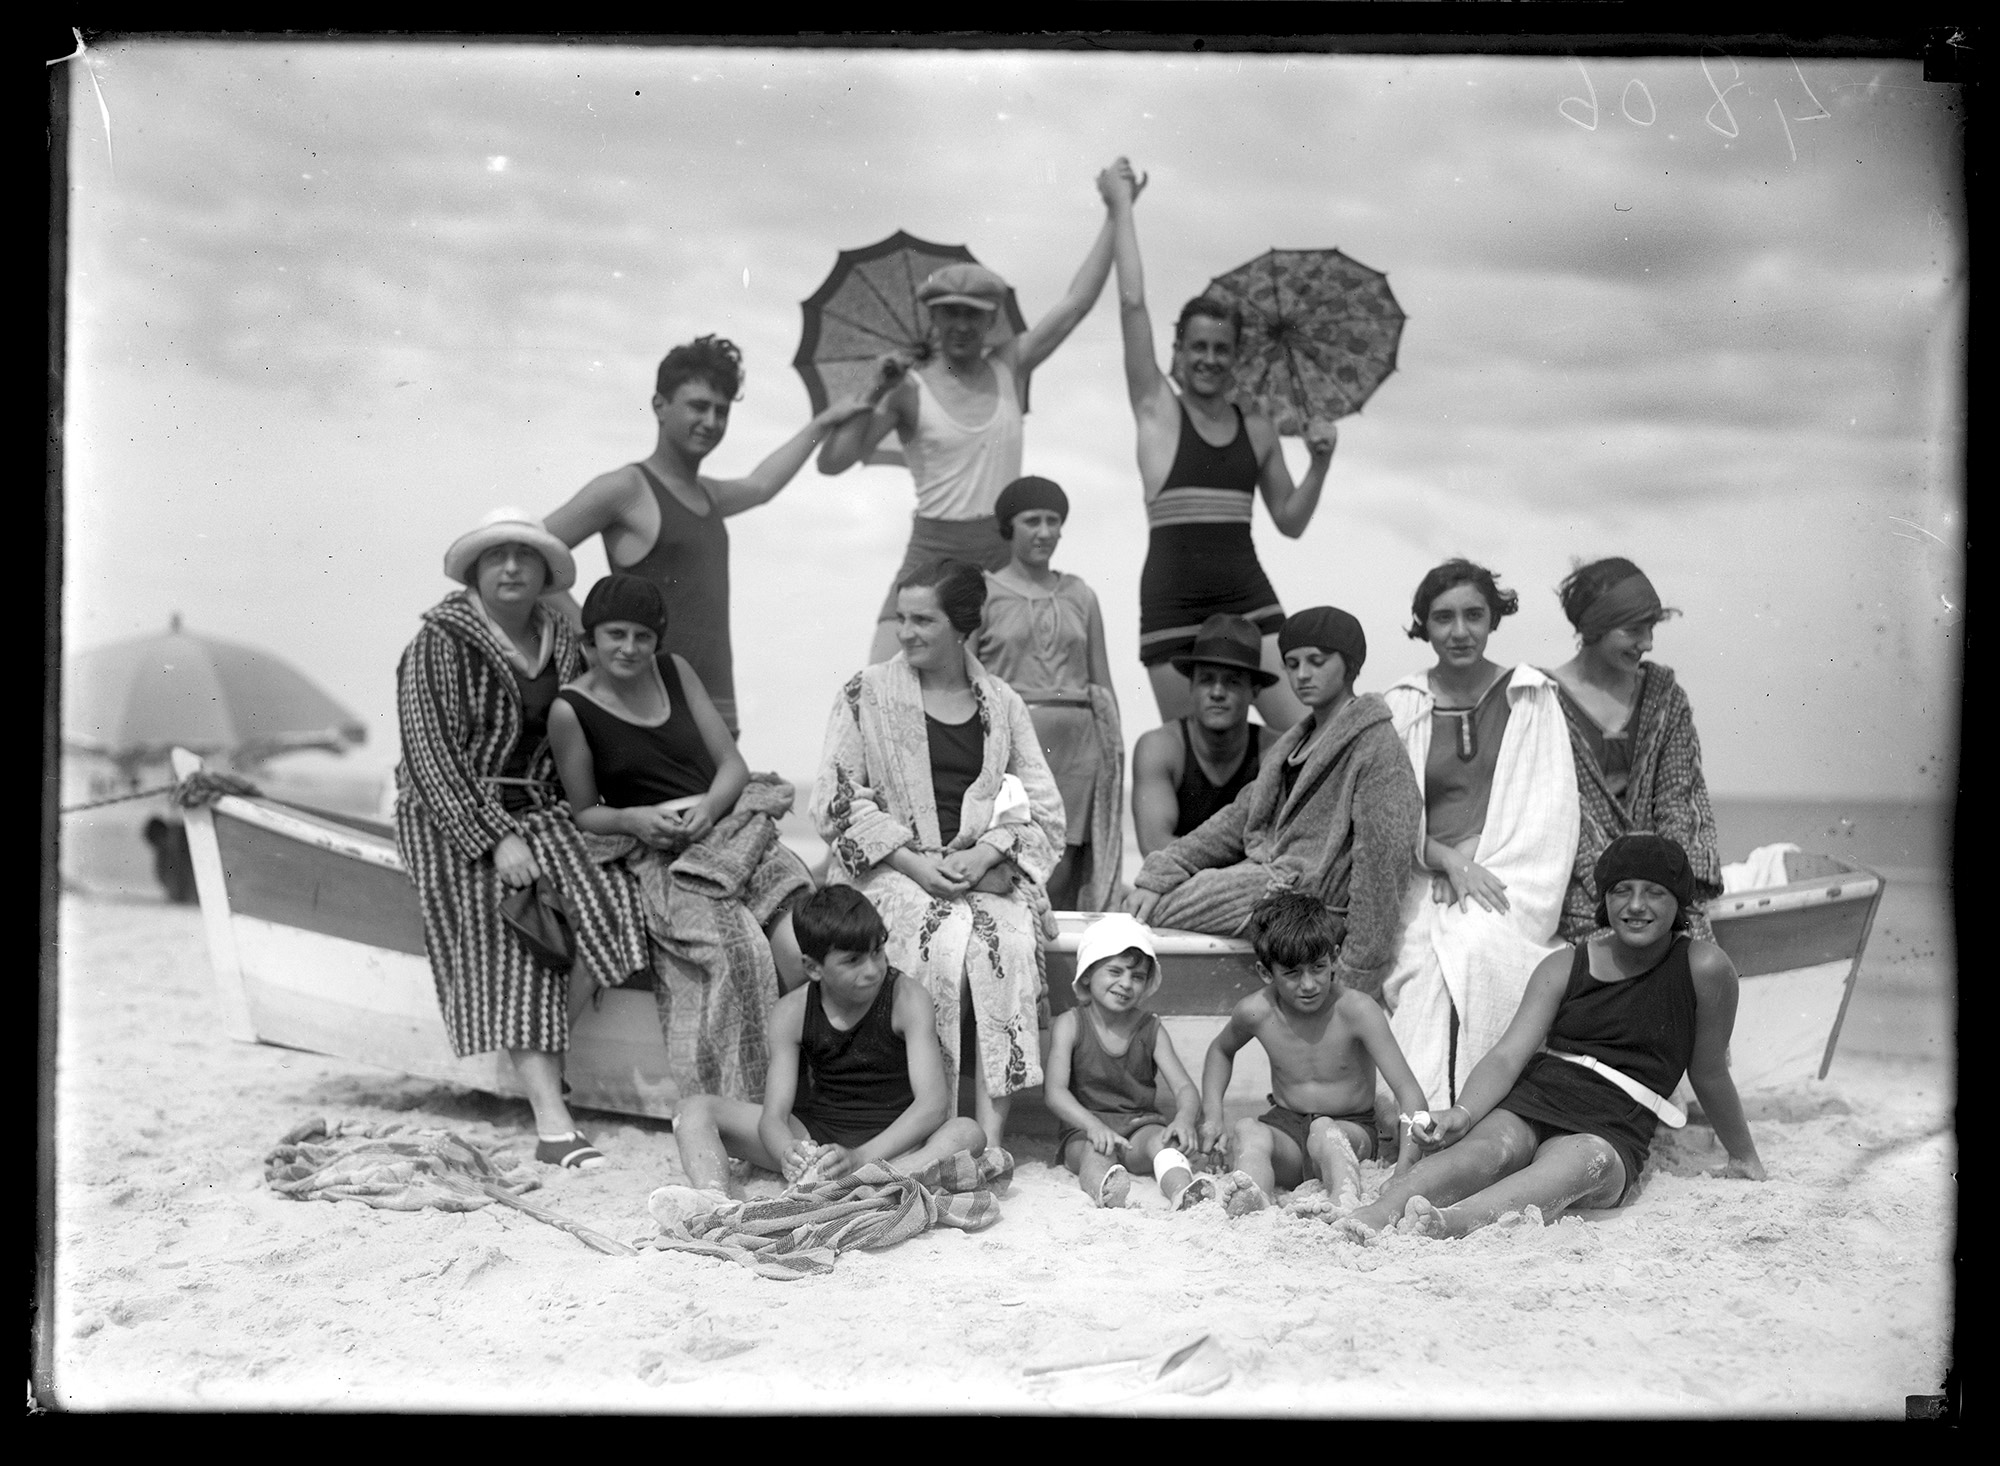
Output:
x=1186 y=771
x=662 y=519
x=861 y=1039
x=1325 y=1044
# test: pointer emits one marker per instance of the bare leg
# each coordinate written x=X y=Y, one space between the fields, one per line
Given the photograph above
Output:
x=785 y=952
x=991 y=1113
x=1496 y=1147
x=1275 y=704
x=1092 y=1166
x=1335 y=1148
x=1268 y=1158
x=885 y=644
x=541 y=1077
x=1568 y=1170
x=708 y=1130
x=955 y=1135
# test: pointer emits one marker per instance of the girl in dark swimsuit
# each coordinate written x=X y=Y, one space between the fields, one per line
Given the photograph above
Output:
x=1561 y=1112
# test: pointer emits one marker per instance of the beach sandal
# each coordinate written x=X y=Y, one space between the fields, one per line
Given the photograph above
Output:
x=1113 y=1187
x=1201 y=1188
x=573 y=1152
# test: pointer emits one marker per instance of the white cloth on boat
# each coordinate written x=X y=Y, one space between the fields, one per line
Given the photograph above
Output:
x=1765 y=867
x=1469 y=959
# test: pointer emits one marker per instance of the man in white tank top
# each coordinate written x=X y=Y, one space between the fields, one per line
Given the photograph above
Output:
x=958 y=414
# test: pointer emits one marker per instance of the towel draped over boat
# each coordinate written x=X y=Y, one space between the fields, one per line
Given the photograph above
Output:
x=1345 y=833
x=874 y=797
x=1471 y=960
x=706 y=909
x=874 y=1206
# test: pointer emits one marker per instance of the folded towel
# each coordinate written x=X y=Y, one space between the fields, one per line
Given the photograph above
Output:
x=1765 y=867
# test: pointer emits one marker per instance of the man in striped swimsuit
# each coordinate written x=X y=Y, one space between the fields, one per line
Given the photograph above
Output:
x=1202 y=460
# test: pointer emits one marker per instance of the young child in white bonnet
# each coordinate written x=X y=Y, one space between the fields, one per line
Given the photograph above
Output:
x=1107 y=1060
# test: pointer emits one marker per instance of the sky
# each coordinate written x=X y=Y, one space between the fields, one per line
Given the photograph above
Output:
x=330 y=303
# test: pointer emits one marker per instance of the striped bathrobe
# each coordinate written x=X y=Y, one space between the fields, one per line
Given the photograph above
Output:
x=459 y=709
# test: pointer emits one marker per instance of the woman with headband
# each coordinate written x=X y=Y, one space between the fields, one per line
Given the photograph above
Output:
x=1562 y=1112
x=1638 y=758
x=1043 y=635
x=1490 y=748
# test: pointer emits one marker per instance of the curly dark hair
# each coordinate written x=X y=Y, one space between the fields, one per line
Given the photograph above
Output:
x=1214 y=310
x=711 y=359
x=960 y=587
x=1451 y=575
x=1292 y=929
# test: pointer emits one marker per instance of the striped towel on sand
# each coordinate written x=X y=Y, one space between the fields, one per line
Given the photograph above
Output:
x=875 y=1206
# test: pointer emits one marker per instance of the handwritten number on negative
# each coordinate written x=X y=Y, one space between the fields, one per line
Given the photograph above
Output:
x=1722 y=98
x=1563 y=105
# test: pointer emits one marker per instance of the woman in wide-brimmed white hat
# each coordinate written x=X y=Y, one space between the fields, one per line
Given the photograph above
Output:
x=478 y=812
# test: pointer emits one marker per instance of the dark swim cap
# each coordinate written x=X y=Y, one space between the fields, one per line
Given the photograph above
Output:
x=1024 y=494
x=622 y=597
x=1644 y=857
x=1331 y=630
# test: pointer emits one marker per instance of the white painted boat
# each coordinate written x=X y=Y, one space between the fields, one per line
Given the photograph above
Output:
x=316 y=941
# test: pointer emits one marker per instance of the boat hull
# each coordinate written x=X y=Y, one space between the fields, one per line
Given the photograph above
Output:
x=316 y=939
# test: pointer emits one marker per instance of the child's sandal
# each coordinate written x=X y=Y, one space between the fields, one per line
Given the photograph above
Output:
x=1114 y=1187
x=572 y=1152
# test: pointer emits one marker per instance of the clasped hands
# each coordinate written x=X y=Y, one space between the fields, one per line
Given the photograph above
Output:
x=976 y=868
x=667 y=829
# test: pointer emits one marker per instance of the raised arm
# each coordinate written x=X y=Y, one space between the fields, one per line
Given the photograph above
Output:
x=1291 y=505
x=1034 y=346
x=892 y=402
x=1145 y=384
x=761 y=484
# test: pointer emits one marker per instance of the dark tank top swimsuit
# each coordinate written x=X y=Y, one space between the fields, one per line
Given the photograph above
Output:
x=635 y=764
x=856 y=1082
x=689 y=562
x=1198 y=799
x=538 y=694
x=1199 y=559
x=1641 y=1026
x=957 y=753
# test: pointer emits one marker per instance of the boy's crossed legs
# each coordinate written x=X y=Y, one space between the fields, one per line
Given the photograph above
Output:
x=708 y=1130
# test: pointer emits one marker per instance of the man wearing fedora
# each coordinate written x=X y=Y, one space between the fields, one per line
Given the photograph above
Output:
x=958 y=414
x=662 y=519
x=1187 y=770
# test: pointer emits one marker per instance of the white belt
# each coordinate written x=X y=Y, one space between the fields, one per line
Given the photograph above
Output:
x=1666 y=1109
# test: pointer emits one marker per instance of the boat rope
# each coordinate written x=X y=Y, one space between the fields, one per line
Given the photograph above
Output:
x=118 y=799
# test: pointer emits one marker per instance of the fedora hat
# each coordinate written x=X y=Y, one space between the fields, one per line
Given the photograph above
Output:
x=964 y=284
x=510 y=527
x=1107 y=937
x=1227 y=641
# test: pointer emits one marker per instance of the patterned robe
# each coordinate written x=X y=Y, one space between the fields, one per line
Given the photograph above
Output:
x=874 y=796
x=1666 y=795
x=459 y=709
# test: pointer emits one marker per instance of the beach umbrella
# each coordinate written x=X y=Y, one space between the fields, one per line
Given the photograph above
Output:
x=1319 y=333
x=135 y=700
x=868 y=305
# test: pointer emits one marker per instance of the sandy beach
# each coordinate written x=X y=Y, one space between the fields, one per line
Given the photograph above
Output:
x=183 y=1282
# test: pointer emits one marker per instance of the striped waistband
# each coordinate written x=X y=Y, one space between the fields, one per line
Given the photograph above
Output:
x=1199 y=506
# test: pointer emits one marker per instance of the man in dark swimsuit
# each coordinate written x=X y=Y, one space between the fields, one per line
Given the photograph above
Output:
x=1194 y=766
x=1202 y=461
x=662 y=519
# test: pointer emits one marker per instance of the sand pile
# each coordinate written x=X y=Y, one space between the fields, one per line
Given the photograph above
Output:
x=184 y=1281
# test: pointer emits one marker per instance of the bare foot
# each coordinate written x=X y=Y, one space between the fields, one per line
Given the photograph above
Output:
x=675 y=1208
x=1350 y=1230
x=1241 y=1195
x=1425 y=1220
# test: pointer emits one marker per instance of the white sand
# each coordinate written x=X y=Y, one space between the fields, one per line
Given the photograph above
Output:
x=182 y=1281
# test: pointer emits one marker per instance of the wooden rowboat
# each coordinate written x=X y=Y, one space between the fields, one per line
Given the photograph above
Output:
x=316 y=942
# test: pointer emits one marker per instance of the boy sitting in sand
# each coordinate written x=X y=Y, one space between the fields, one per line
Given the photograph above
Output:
x=1107 y=1056
x=1325 y=1043
x=864 y=1041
